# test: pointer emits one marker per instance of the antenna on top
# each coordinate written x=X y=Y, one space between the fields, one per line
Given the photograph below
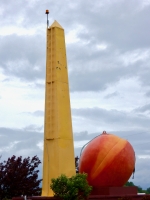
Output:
x=47 y=12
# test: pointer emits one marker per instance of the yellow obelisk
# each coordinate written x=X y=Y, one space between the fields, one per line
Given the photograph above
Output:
x=58 y=155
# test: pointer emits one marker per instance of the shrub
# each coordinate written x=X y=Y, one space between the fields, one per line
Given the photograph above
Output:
x=73 y=188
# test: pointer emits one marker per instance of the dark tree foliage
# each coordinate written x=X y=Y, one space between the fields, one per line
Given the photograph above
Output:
x=77 y=164
x=139 y=188
x=129 y=184
x=19 y=176
x=148 y=190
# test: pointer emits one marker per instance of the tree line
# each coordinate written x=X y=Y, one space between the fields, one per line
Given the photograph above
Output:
x=140 y=190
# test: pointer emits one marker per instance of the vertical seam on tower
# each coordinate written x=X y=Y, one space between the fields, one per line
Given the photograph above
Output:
x=49 y=123
x=51 y=98
x=57 y=107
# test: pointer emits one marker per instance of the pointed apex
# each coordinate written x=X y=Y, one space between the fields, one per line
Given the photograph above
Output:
x=56 y=24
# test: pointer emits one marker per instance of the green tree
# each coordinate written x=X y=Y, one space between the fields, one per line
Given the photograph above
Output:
x=148 y=190
x=72 y=188
x=19 y=176
x=140 y=190
x=129 y=184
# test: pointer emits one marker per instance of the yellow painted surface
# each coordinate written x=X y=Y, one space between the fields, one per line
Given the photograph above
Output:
x=58 y=157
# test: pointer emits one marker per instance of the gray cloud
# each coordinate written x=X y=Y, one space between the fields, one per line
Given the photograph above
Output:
x=143 y=108
x=22 y=57
x=114 y=94
x=123 y=21
x=33 y=127
x=19 y=142
x=105 y=22
x=147 y=94
x=98 y=70
x=37 y=113
x=114 y=118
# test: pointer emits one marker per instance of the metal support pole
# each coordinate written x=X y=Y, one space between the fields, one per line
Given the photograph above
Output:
x=47 y=12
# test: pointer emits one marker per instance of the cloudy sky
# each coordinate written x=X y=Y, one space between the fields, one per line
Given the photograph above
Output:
x=108 y=53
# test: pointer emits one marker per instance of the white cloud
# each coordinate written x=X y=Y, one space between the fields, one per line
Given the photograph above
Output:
x=72 y=35
x=40 y=145
x=143 y=156
x=137 y=55
x=101 y=47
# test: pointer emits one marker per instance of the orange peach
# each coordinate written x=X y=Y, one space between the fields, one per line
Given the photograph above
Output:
x=108 y=160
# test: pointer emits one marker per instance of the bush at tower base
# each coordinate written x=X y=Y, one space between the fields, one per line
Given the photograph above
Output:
x=108 y=160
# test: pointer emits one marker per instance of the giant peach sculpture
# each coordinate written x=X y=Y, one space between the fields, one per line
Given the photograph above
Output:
x=108 y=160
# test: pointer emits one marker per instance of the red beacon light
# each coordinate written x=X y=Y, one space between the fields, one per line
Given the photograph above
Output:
x=47 y=12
